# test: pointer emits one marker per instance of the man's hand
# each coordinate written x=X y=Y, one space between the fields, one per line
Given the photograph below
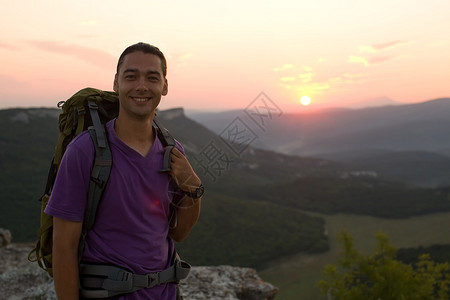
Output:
x=182 y=172
x=188 y=210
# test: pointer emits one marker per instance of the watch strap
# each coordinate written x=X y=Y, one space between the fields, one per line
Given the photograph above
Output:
x=197 y=193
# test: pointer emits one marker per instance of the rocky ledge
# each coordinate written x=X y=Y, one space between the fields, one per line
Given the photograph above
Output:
x=22 y=280
x=226 y=282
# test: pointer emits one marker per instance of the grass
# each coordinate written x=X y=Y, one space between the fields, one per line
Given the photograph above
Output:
x=296 y=276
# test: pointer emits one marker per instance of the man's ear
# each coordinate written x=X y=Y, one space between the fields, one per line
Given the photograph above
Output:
x=116 y=84
x=165 y=88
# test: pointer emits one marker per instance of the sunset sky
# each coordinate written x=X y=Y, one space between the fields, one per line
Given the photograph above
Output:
x=223 y=54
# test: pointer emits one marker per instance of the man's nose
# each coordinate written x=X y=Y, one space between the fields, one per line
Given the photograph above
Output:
x=142 y=85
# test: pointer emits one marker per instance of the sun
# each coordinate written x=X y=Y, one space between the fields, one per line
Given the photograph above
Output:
x=305 y=100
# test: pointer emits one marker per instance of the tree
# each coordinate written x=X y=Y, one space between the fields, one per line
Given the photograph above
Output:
x=381 y=276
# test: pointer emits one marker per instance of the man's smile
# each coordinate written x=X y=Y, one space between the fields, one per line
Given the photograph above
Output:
x=141 y=99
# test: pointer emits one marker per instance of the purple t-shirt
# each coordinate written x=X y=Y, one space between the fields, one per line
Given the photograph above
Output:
x=131 y=227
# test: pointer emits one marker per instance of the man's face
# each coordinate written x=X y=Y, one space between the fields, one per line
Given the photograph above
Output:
x=140 y=84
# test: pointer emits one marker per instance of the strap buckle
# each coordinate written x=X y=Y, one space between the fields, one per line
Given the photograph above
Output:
x=153 y=279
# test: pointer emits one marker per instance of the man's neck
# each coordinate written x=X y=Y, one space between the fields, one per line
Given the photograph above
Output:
x=136 y=133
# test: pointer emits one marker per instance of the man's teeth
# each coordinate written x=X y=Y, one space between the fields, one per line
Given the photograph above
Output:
x=140 y=99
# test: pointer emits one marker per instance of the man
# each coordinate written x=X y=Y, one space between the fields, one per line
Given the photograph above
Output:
x=142 y=210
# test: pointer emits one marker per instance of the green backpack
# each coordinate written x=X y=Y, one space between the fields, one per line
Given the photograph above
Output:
x=88 y=109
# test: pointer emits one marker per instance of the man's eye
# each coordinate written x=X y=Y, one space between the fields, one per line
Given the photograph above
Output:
x=153 y=78
x=130 y=77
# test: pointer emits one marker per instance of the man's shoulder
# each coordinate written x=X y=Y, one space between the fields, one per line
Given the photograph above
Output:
x=82 y=145
x=82 y=139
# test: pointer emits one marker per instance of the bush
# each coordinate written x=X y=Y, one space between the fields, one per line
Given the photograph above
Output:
x=381 y=276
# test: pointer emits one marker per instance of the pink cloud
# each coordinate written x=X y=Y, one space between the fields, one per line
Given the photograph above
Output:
x=93 y=56
x=380 y=47
x=387 y=45
x=8 y=46
x=379 y=59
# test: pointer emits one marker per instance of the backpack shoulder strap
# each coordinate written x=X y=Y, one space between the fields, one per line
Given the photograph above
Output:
x=167 y=140
x=163 y=134
x=99 y=175
x=98 y=127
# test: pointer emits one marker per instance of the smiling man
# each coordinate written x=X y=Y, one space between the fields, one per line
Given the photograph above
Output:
x=142 y=210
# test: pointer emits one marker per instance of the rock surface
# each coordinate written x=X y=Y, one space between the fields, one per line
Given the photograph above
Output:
x=5 y=237
x=22 y=280
x=226 y=282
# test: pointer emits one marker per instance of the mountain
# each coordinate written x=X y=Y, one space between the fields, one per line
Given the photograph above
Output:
x=375 y=102
x=407 y=143
x=255 y=200
x=416 y=127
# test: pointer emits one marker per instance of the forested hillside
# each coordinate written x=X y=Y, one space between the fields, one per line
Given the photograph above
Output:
x=231 y=230
x=255 y=201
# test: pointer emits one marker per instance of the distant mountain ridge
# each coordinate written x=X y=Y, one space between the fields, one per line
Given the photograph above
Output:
x=421 y=126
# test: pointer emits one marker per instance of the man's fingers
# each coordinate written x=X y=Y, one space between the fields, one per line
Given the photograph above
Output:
x=176 y=152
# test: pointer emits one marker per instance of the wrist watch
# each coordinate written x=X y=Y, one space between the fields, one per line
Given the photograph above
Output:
x=197 y=193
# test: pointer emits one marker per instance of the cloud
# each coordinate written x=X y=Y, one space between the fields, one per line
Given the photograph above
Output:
x=178 y=61
x=388 y=45
x=182 y=59
x=348 y=79
x=367 y=49
x=9 y=46
x=306 y=87
x=309 y=87
x=314 y=88
x=366 y=58
x=358 y=60
x=284 y=67
x=380 y=47
x=354 y=76
x=93 y=56
x=287 y=79
x=305 y=82
x=367 y=61
x=286 y=86
x=306 y=77
x=379 y=59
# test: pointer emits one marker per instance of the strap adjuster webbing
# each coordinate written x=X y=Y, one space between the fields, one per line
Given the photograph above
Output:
x=101 y=281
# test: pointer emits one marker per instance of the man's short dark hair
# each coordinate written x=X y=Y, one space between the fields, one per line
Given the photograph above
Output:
x=146 y=48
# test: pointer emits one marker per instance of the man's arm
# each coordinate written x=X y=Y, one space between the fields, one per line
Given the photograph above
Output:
x=188 y=210
x=187 y=214
x=66 y=236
